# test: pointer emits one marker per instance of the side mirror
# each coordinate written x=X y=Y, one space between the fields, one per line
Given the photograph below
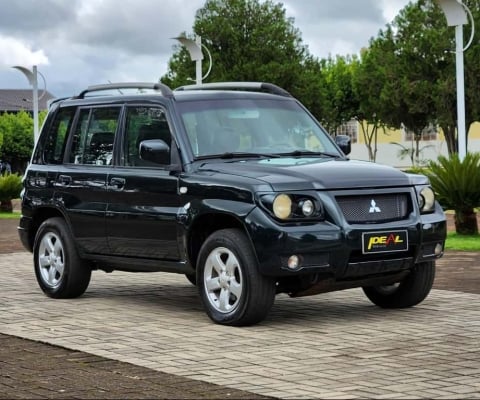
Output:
x=155 y=151
x=344 y=142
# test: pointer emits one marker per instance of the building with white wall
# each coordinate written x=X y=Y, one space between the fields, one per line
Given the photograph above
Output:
x=431 y=146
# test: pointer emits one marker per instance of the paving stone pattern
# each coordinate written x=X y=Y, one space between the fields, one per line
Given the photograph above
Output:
x=34 y=370
x=335 y=345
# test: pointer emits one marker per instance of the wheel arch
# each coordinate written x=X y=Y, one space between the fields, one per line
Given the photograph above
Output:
x=39 y=216
x=204 y=225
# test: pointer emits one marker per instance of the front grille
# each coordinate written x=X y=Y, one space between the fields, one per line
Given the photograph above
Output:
x=374 y=208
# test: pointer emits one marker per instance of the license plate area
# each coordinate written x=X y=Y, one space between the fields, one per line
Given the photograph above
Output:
x=384 y=242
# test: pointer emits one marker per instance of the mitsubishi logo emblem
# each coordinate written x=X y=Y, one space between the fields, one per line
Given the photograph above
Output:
x=374 y=208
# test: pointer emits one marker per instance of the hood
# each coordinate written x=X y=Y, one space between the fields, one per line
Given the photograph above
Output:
x=312 y=173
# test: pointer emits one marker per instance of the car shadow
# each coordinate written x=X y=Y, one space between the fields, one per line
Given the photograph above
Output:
x=182 y=300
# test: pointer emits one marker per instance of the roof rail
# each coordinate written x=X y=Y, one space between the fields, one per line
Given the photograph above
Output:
x=253 y=86
x=54 y=101
x=164 y=89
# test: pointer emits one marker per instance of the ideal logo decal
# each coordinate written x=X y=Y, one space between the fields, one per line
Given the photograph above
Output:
x=384 y=240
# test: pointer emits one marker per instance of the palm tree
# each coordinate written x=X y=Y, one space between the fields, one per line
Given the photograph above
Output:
x=457 y=186
x=10 y=188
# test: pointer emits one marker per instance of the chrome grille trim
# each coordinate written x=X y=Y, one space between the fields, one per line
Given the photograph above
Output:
x=374 y=208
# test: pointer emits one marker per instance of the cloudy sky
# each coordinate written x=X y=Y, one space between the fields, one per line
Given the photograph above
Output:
x=77 y=43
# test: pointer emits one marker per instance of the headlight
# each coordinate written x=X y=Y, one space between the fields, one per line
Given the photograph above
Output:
x=426 y=199
x=282 y=206
x=293 y=206
x=308 y=208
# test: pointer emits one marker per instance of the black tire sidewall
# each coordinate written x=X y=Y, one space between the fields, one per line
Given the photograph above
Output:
x=414 y=288
x=76 y=276
x=237 y=243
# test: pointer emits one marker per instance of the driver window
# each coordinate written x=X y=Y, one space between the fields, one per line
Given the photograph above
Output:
x=144 y=123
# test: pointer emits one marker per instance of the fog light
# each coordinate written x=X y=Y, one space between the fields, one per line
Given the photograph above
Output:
x=293 y=262
x=438 y=249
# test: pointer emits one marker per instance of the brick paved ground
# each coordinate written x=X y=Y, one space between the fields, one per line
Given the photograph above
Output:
x=35 y=370
x=335 y=345
x=145 y=336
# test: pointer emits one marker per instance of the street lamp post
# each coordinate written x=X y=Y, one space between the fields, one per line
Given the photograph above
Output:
x=32 y=77
x=454 y=11
x=194 y=48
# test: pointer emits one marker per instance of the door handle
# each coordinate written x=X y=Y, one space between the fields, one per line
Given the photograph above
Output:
x=117 y=183
x=64 y=180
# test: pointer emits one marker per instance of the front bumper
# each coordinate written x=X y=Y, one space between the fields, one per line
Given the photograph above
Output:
x=336 y=250
x=24 y=230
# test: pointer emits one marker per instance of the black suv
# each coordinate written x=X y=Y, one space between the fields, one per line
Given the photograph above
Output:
x=235 y=185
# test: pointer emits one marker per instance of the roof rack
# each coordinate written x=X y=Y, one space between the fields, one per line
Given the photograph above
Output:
x=253 y=86
x=164 y=89
x=51 y=102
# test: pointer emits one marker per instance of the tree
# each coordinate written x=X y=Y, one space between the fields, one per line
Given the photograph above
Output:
x=457 y=185
x=249 y=40
x=369 y=78
x=10 y=188
x=17 y=132
x=341 y=102
x=312 y=87
x=413 y=153
x=414 y=57
x=472 y=67
x=403 y=61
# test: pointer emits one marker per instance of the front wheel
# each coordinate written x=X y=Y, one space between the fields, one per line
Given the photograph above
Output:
x=231 y=288
x=412 y=290
x=192 y=278
x=59 y=270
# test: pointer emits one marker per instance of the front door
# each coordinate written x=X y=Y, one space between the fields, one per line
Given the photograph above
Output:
x=143 y=199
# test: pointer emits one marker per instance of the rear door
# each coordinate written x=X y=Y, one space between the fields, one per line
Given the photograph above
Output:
x=143 y=199
x=81 y=183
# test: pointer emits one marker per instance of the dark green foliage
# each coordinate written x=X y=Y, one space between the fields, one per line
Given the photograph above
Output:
x=405 y=78
x=249 y=40
x=457 y=186
x=10 y=188
x=16 y=138
x=341 y=101
x=416 y=170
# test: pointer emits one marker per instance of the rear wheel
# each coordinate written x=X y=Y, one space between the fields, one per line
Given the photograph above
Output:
x=412 y=290
x=230 y=286
x=59 y=270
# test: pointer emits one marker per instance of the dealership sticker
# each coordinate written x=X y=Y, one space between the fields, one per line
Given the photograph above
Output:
x=383 y=242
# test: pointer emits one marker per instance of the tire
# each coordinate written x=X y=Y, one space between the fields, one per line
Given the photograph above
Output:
x=232 y=290
x=414 y=288
x=192 y=279
x=60 y=272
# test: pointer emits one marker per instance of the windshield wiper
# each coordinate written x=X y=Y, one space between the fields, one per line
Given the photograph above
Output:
x=239 y=154
x=231 y=155
x=299 y=153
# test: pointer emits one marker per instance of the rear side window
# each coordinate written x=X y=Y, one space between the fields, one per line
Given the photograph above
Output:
x=92 y=141
x=54 y=147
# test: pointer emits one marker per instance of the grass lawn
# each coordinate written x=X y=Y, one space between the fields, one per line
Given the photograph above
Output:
x=14 y=215
x=454 y=241
x=462 y=242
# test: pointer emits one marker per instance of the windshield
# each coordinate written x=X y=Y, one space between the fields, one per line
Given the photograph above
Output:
x=252 y=126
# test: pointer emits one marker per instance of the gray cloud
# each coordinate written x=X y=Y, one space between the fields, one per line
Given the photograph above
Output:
x=336 y=27
x=26 y=16
x=136 y=27
x=312 y=11
x=93 y=41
